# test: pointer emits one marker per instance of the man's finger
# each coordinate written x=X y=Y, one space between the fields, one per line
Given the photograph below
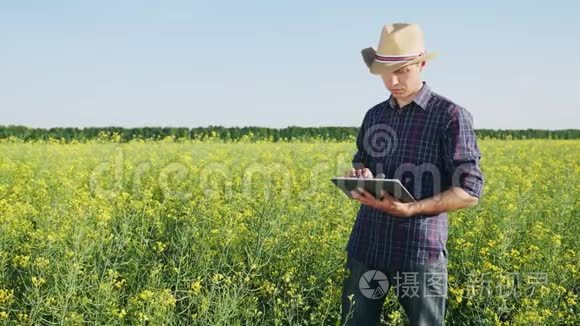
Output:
x=367 y=173
x=389 y=197
x=367 y=195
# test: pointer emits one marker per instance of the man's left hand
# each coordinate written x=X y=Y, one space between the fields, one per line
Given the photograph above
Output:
x=387 y=203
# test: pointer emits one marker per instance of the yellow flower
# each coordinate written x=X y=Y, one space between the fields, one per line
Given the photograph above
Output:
x=457 y=293
x=6 y=297
x=21 y=261
x=119 y=284
x=196 y=287
x=544 y=290
x=38 y=281
x=216 y=278
x=489 y=266
x=22 y=317
x=571 y=299
x=160 y=246
x=146 y=295
x=120 y=313
x=41 y=262
x=395 y=317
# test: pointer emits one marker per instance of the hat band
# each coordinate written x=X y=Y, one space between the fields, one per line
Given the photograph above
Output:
x=396 y=58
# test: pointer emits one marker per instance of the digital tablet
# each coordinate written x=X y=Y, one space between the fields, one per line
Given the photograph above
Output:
x=374 y=186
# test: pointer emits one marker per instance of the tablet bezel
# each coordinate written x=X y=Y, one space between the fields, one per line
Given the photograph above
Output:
x=370 y=184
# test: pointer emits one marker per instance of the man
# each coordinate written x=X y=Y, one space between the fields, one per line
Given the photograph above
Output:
x=428 y=143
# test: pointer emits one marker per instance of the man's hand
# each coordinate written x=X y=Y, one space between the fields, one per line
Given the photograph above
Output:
x=359 y=173
x=386 y=203
x=450 y=200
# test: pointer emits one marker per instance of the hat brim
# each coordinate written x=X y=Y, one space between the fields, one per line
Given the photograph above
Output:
x=378 y=68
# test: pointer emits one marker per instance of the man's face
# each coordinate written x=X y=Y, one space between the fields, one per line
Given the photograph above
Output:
x=404 y=81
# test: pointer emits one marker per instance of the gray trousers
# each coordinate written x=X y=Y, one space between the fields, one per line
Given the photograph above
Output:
x=420 y=289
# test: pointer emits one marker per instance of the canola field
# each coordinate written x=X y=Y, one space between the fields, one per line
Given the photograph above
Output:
x=212 y=233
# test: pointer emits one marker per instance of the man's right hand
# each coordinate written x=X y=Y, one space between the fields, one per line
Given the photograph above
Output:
x=359 y=173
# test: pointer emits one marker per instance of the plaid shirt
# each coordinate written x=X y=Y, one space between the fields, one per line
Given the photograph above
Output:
x=429 y=145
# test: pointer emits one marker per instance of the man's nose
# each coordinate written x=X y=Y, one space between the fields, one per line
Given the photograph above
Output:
x=394 y=79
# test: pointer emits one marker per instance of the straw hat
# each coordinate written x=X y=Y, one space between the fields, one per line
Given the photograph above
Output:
x=401 y=45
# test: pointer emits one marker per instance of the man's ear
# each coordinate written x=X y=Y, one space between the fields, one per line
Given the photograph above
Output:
x=423 y=64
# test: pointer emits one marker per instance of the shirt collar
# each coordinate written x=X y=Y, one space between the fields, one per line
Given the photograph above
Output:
x=421 y=99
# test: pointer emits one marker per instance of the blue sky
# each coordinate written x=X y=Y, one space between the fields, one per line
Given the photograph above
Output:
x=512 y=64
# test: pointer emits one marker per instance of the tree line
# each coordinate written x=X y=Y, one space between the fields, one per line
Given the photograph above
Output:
x=121 y=134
